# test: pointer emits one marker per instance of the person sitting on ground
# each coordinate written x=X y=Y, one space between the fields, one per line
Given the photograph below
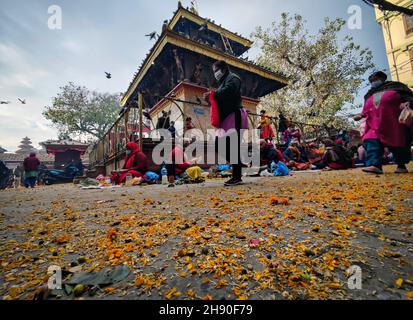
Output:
x=315 y=156
x=287 y=135
x=303 y=152
x=31 y=167
x=343 y=136
x=269 y=154
x=292 y=153
x=178 y=162
x=136 y=164
x=296 y=133
x=294 y=156
x=337 y=157
x=279 y=152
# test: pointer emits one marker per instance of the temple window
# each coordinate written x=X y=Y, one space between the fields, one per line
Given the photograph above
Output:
x=408 y=24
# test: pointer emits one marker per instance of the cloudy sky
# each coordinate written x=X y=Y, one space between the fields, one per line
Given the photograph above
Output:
x=108 y=35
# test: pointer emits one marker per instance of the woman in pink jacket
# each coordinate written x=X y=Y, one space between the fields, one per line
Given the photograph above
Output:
x=383 y=105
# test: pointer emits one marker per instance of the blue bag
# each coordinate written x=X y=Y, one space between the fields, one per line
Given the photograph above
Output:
x=281 y=170
x=223 y=167
x=151 y=177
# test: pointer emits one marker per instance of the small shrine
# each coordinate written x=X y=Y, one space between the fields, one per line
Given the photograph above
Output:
x=65 y=151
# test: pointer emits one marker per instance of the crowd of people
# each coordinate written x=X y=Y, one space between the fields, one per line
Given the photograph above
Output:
x=323 y=155
x=387 y=137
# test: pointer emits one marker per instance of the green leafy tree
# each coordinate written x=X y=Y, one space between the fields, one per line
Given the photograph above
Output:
x=76 y=111
x=326 y=72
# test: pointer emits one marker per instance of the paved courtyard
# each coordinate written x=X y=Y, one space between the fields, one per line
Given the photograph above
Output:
x=272 y=238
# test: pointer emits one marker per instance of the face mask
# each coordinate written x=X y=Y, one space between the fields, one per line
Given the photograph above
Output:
x=376 y=84
x=218 y=75
x=128 y=152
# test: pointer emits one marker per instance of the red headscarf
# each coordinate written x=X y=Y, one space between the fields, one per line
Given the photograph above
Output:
x=130 y=159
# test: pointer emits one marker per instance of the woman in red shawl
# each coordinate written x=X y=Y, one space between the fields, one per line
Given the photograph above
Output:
x=136 y=164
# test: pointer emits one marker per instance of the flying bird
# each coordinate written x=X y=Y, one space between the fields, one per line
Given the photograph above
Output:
x=4 y=102
x=22 y=101
x=108 y=75
x=152 y=35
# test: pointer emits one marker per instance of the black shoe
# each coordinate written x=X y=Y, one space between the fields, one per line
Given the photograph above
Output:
x=233 y=182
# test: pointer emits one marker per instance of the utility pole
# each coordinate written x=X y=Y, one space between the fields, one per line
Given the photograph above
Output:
x=140 y=104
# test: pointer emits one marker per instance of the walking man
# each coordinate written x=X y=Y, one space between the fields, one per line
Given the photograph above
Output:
x=31 y=167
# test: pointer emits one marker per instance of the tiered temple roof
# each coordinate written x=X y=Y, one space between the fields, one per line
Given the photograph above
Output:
x=25 y=147
x=185 y=51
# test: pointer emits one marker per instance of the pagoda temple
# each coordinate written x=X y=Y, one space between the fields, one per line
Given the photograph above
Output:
x=25 y=147
x=173 y=77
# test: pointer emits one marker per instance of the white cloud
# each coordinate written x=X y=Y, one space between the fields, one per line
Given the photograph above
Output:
x=18 y=121
x=72 y=46
x=19 y=70
x=20 y=78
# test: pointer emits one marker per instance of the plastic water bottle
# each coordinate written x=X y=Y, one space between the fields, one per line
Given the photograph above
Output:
x=211 y=172
x=164 y=174
x=273 y=166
